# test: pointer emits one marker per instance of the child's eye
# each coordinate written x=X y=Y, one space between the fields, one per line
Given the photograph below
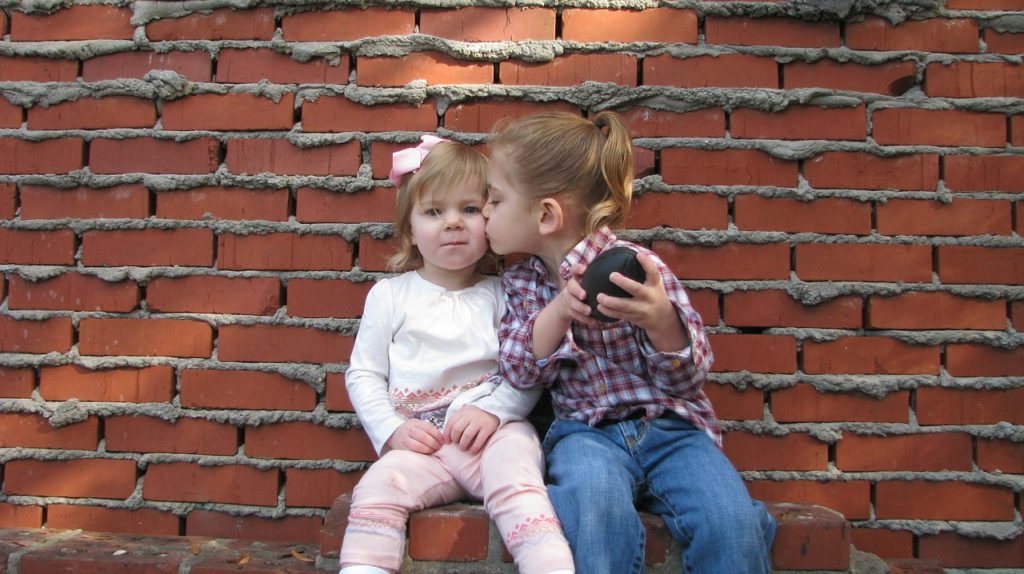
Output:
x=471 y=209
x=432 y=212
x=493 y=202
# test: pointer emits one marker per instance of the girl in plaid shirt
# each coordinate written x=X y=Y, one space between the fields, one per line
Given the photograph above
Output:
x=633 y=426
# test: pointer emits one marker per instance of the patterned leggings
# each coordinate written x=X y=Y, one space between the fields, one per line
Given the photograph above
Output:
x=507 y=475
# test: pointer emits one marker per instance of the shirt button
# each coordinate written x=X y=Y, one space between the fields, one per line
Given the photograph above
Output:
x=602 y=388
x=676 y=363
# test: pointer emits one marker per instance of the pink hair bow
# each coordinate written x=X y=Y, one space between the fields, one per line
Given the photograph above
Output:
x=409 y=160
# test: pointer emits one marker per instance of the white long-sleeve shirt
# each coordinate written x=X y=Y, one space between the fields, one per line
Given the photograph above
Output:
x=422 y=348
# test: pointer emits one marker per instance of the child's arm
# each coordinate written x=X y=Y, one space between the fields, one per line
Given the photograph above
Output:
x=650 y=308
x=553 y=322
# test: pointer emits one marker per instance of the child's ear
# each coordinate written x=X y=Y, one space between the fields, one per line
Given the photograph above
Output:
x=550 y=216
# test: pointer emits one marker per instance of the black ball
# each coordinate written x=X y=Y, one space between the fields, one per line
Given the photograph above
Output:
x=596 y=278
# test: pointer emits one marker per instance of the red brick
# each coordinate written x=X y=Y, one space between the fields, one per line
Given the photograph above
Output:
x=41 y=157
x=1001 y=455
x=884 y=543
x=229 y=112
x=985 y=173
x=230 y=484
x=486 y=24
x=304 y=529
x=348 y=24
x=823 y=215
x=754 y=353
x=1004 y=43
x=974 y=80
x=922 y=452
x=667 y=25
x=801 y=123
x=969 y=360
x=11 y=116
x=938 y=310
x=726 y=167
x=776 y=308
x=302 y=440
x=771 y=32
x=374 y=253
x=732 y=404
x=983 y=4
x=26 y=430
x=869 y=355
x=183 y=436
x=223 y=24
x=16 y=383
x=1017 y=307
x=193 y=66
x=795 y=451
x=317 y=488
x=968 y=264
x=37 y=69
x=483 y=116
x=339 y=114
x=954 y=35
x=8 y=200
x=74 y=292
x=145 y=337
x=337 y=399
x=26 y=247
x=144 y=521
x=250 y=66
x=20 y=516
x=433 y=67
x=208 y=294
x=236 y=203
x=891 y=78
x=908 y=126
x=125 y=385
x=863 y=262
x=96 y=553
x=861 y=170
x=729 y=261
x=28 y=336
x=279 y=156
x=148 y=247
x=128 y=201
x=680 y=211
x=851 y=499
x=326 y=298
x=314 y=205
x=282 y=343
x=94 y=113
x=222 y=389
x=454 y=533
x=723 y=71
x=961 y=217
x=916 y=500
x=651 y=123
x=956 y=551
x=262 y=556
x=940 y=406
x=804 y=403
x=146 y=155
x=95 y=22
x=77 y=478
x=810 y=538
x=570 y=70
x=705 y=301
x=284 y=251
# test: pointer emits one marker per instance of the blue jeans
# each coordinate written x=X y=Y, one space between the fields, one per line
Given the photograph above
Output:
x=598 y=476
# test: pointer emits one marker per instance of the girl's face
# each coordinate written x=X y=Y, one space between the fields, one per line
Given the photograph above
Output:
x=448 y=230
x=508 y=212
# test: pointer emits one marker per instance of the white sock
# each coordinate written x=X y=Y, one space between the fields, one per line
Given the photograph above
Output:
x=363 y=570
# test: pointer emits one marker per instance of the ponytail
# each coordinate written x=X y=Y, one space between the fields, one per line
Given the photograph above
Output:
x=617 y=172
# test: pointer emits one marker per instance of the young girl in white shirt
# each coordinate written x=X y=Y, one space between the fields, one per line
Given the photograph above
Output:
x=423 y=379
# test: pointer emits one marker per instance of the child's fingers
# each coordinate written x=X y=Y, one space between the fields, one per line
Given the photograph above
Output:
x=650 y=268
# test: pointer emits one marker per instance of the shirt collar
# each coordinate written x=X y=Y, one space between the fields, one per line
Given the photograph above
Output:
x=586 y=250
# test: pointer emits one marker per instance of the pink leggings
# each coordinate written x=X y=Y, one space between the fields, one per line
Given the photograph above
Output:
x=507 y=475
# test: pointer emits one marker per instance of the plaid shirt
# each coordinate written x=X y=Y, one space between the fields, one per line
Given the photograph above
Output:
x=611 y=370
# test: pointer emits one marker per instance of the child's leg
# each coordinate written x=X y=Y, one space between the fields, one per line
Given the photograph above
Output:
x=516 y=499
x=593 y=484
x=704 y=501
x=399 y=483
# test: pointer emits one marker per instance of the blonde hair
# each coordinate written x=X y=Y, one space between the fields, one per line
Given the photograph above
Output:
x=561 y=153
x=447 y=165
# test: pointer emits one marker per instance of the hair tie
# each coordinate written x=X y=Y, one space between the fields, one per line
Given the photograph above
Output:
x=408 y=160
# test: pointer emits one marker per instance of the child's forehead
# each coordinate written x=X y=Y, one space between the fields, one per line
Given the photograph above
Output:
x=462 y=191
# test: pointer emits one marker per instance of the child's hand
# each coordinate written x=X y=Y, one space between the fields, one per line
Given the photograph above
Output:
x=470 y=427
x=417 y=436
x=571 y=302
x=649 y=308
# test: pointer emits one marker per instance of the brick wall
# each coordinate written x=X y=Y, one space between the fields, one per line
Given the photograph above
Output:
x=194 y=204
